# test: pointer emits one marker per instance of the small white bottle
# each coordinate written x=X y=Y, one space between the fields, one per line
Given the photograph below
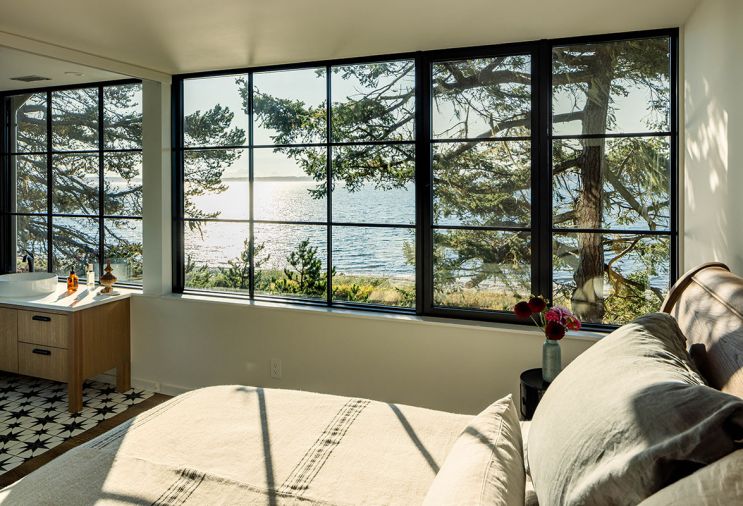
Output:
x=90 y=275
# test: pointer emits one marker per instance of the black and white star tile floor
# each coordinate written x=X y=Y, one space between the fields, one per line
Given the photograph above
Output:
x=34 y=416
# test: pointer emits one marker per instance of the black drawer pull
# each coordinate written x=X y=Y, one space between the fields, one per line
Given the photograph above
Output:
x=39 y=351
x=41 y=318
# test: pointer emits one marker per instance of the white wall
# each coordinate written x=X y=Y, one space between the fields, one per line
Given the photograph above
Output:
x=181 y=343
x=713 y=168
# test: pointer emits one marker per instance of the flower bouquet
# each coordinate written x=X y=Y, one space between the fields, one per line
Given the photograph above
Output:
x=555 y=322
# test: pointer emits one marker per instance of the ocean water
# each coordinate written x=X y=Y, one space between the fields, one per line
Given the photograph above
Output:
x=363 y=250
x=360 y=250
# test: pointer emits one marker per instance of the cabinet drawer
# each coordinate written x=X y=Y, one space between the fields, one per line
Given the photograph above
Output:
x=46 y=329
x=42 y=361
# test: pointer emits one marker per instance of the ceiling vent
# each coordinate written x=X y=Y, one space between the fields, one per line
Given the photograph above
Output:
x=30 y=79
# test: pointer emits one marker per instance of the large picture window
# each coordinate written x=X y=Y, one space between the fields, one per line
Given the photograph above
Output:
x=445 y=183
x=72 y=165
x=300 y=183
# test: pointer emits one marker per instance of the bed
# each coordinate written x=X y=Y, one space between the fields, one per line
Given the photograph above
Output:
x=246 y=445
x=707 y=302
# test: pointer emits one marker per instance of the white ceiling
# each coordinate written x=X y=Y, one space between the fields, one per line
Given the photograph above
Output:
x=176 y=36
x=15 y=63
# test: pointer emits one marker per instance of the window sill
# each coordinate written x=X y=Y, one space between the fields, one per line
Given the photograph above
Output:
x=525 y=330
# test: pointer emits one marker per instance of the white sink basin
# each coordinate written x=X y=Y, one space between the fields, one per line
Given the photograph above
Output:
x=27 y=284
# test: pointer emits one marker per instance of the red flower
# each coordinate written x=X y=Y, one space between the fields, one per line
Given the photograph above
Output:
x=573 y=323
x=554 y=330
x=537 y=304
x=522 y=310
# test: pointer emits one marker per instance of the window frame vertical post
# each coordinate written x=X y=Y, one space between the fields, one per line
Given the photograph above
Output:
x=49 y=186
x=101 y=183
x=251 y=192
x=177 y=186
x=542 y=171
x=423 y=185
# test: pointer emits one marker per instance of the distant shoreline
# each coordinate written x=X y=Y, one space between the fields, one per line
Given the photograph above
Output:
x=277 y=179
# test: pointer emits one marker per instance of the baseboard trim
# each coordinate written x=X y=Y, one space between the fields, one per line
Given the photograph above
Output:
x=144 y=384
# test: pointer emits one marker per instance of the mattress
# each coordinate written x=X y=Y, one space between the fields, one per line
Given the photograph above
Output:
x=245 y=445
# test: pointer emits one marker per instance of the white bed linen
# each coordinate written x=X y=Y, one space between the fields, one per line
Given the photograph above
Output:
x=245 y=445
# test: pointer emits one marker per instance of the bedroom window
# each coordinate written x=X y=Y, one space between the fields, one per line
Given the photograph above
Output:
x=446 y=183
x=72 y=160
x=613 y=166
x=481 y=143
x=300 y=183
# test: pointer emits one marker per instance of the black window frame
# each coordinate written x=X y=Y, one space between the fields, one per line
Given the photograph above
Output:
x=7 y=253
x=542 y=231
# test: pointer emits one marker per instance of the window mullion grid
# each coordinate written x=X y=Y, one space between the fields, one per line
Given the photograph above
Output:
x=49 y=185
x=329 y=184
x=251 y=196
x=541 y=226
x=101 y=226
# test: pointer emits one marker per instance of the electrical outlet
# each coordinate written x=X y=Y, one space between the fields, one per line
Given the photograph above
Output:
x=275 y=368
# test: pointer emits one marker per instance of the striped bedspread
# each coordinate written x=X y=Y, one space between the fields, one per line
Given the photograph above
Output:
x=245 y=445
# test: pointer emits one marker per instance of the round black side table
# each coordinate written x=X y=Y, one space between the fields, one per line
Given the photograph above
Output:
x=532 y=389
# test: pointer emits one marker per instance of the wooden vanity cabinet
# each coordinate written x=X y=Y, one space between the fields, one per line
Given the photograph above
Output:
x=67 y=346
x=8 y=340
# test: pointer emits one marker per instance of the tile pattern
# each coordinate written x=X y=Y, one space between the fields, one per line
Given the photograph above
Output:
x=34 y=416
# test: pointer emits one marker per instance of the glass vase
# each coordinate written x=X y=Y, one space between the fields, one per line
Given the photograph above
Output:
x=551 y=360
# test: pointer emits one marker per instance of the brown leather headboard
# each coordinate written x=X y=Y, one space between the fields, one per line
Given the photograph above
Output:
x=708 y=303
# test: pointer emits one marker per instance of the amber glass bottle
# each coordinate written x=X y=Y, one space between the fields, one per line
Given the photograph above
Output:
x=72 y=281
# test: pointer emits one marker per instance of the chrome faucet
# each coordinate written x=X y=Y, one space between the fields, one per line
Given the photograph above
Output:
x=29 y=258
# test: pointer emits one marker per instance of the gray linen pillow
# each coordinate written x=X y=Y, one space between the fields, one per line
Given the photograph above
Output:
x=628 y=417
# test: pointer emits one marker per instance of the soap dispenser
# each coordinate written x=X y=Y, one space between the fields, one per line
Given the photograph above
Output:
x=90 y=276
x=72 y=281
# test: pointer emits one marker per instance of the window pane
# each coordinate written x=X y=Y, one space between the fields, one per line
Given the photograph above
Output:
x=611 y=278
x=485 y=183
x=484 y=97
x=74 y=244
x=75 y=119
x=290 y=184
x=477 y=269
x=612 y=87
x=374 y=184
x=374 y=265
x=612 y=183
x=215 y=111
x=122 y=116
x=30 y=123
x=217 y=256
x=31 y=236
x=291 y=260
x=216 y=184
x=75 y=184
x=122 y=183
x=30 y=183
x=289 y=106
x=123 y=248
x=374 y=102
